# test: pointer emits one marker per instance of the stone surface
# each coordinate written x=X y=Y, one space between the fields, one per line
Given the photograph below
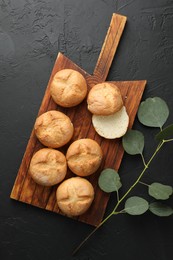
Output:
x=32 y=32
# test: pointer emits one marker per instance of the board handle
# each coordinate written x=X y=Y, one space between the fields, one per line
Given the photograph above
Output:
x=109 y=47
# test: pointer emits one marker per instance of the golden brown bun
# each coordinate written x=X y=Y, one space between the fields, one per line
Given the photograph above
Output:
x=104 y=99
x=113 y=126
x=74 y=196
x=48 y=167
x=84 y=157
x=53 y=129
x=68 y=88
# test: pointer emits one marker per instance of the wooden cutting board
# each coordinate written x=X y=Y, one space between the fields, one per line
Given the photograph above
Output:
x=25 y=189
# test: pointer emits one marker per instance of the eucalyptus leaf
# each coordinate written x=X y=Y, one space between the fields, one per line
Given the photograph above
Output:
x=160 y=209
x=136 y=205
x=109 y=180
x=133 y=142
x=153 y=112
x=166 y=133
x=160 y=191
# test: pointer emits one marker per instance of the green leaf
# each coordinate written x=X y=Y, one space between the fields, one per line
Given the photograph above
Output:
x=109 y=180
x=160 y=209
x=160 y=191
x=166 y=133
x=133 y=142
x=136 y=205
x=153 y=112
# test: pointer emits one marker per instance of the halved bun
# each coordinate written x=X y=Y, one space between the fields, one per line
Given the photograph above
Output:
x=104 y=99
x=113 y=126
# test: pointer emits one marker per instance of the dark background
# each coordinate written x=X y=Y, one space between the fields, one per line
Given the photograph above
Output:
x=31 y=34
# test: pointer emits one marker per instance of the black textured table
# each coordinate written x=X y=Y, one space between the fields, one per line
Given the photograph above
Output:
x=31 y=34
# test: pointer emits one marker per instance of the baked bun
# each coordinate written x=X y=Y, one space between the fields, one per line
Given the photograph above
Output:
x=53 y=129
x=48 y=167
x=104 y=99
x=84 y=157
x=113 y=126
x=74 y=196
x=68 y=88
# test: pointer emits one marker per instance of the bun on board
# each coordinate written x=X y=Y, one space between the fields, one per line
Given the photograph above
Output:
x=104 y=99
x=68 y=88
x=53 y=129
x=74 y=196
x=84 y=157
x=48 y=167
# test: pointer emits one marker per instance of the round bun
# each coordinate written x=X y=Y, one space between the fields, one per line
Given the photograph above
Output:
x=48 y=167
x=113 y=126
x=53 y=129
x=68 y=88
x=74 y=196
x=84 y=157
x=104 y=99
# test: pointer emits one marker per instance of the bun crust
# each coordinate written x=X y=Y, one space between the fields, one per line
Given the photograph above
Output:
x=68 y=88
x=113 y=126
x=53 y=129
x=74 y=196
x=84 y=157
x=104 y=99
x=48 y=167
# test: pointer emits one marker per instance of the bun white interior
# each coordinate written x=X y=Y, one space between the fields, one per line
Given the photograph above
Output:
x=112 y=126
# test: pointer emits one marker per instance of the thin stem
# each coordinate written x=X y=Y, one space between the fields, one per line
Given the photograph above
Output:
x=119 y=212
x=143 y=159
x=168 y=140
x=143 y=183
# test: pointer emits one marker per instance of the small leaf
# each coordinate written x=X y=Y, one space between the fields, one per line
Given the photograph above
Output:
x=160 y=191
x=166 y=133
x=133 y=142
x=160 y=209
x=109 y=180
x=136 y=205
x=153 y=112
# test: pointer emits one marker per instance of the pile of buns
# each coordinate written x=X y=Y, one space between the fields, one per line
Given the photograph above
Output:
x=54 y=129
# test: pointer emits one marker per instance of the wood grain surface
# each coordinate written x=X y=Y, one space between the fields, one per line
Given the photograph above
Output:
x=25 y=189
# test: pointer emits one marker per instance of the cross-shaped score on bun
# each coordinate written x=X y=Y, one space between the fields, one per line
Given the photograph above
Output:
x=68 y=88
x=74 y=196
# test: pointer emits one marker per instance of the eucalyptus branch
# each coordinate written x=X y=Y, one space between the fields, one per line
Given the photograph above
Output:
x=141 y=174
x=119 y=200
